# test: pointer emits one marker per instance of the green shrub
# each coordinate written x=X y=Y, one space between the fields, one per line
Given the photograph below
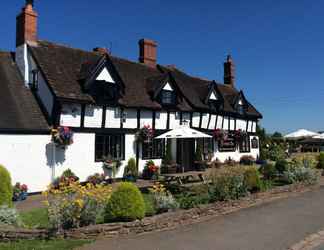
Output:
x=252 y=179
x=187 y=200
x=9 y=216
x=227 y=184
x=149 y=205
x=131 y=169
x=6 y=191
x=281 y=166
x=126 y=204
x=320 y=164
x=268 y=171
x=305 y=175
x=276 y=152
x=265 y=185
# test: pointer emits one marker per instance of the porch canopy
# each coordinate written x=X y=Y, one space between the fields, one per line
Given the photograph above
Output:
x=300 y=134
x=182 y=133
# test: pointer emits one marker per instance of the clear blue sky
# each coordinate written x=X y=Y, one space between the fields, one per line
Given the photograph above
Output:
x=278 y=46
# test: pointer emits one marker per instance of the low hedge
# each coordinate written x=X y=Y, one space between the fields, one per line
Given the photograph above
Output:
x=125 y=204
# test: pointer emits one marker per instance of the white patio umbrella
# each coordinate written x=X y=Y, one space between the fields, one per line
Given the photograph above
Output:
x=319 y=136
x=183 y=132
x=301 y=133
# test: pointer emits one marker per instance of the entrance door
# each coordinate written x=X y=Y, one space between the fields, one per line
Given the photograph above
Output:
x=186 y=153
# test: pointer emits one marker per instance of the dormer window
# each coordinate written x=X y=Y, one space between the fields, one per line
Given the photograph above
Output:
x=213 y=100
x=240 y=107
x=105 y=76
x=168 y=95
x=34 y=79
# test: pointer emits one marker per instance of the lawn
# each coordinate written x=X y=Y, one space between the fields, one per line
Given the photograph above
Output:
x=43 y=245
x=35 y=218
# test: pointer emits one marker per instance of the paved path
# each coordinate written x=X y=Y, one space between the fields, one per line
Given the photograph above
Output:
x=277 y=225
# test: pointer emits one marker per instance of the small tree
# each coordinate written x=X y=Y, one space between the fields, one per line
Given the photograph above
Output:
x=5 y=187
x=167 y=156
x=131 y=169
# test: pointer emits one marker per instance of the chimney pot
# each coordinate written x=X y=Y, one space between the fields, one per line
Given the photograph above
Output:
x=229 y=72
x=147 y=52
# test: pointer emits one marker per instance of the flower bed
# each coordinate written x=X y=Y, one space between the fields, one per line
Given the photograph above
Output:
x=169 y=220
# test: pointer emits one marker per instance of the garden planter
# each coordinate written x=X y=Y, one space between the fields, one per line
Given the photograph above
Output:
x=130 y=178
x=20 y=197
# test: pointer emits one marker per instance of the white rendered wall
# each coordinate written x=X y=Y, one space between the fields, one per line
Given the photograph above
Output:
x=232 y=124
x=93 y=117
x=112 y=117
x=219 y=122
x=236 y=155
x=161 y=120
x=204 y=121
x=174 y=120
x=212 y=122
x=131 y=118
x=226 y=123
x=195 y=119
x=71 y=115
x=146 y=118
x=25 y=156
x=241 y=124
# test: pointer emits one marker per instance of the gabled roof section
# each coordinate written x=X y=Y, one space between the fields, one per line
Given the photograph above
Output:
x=214 y=93
x=64 y=68
x=19 y=110
x=61 y=67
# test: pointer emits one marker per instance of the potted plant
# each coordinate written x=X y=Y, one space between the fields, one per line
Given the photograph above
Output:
x=144 y=134
x=151 y=171
x=168 y=165
x=20 y=192
x=200 y=164
x=130 y=172
x=62 y=136
x=96 y=179
x=110 y=166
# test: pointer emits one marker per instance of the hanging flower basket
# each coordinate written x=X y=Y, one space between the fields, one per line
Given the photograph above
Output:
x=62 y=136
x=145 y=134
x=220 y=135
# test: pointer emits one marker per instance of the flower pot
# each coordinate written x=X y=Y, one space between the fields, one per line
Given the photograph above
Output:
x=130 y=178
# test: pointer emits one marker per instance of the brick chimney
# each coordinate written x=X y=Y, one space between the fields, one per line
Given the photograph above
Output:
x=147 y=52
x=26 y=25
x=229 y=72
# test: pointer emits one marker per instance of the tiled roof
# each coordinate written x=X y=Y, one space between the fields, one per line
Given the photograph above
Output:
x=65 y=67
x=18 y=107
